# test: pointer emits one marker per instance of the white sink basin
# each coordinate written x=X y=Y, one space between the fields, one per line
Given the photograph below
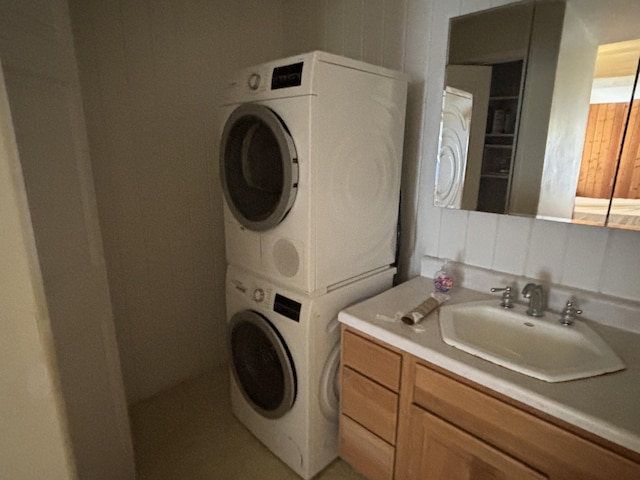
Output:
x=538 y=347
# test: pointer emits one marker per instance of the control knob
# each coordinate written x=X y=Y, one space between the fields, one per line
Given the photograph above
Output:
x=258 y=295
x=254 y=81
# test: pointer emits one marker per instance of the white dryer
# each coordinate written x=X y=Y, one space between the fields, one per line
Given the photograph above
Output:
x=310 y=163
x=284 y=359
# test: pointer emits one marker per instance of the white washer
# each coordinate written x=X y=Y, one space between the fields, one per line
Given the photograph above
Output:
x=310 y=163
x=284 y=356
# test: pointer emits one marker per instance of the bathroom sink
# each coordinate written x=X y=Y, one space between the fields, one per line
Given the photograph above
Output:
x=538 y=347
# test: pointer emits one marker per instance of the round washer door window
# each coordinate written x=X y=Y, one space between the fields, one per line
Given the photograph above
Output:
x=261 y=364
x=258 y=167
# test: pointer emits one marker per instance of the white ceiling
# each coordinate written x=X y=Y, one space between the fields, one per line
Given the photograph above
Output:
x=618 y=59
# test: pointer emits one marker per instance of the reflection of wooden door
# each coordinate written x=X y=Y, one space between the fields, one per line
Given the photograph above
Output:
x=602 y=148
x=445 y=452
x=476 y=80
x=628 y=182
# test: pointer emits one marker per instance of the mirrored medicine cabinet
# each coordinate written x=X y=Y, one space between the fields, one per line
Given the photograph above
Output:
x=540 y=112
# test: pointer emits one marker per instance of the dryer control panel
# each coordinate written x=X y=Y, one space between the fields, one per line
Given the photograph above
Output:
x=285 y=76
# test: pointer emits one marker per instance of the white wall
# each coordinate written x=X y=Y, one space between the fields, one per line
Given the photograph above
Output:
x=568 y=118
x=35 y=436
x=38 y=63
x=149 y=73
x=542 y=66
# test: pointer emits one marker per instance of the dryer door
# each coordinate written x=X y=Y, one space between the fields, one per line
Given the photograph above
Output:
x=261 y=364
x=258 y=167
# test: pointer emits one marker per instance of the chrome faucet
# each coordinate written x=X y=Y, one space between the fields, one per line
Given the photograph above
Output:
x=536 y=299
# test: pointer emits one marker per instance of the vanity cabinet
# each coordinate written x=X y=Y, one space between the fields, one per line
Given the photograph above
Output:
x=448 y=428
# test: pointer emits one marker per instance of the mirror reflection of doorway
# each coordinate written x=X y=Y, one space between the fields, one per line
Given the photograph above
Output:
x=609 y=183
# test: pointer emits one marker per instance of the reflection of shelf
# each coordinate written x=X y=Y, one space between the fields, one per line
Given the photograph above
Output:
x=506 y=97
x=501 y=135
x=500 y=176
x=503 y=147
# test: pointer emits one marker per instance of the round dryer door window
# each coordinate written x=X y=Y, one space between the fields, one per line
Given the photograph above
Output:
x=261 y=364
x=258 y=167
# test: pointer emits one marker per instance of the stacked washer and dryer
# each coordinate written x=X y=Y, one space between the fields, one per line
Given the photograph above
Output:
x=310 y=165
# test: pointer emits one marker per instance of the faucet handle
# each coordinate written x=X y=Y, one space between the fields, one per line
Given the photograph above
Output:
x=507 y=299
x=568 y=314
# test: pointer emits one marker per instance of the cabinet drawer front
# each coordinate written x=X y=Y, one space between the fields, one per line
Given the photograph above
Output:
x=372 y=360
x=370 y=404
x=535 y=441
x=364 y=451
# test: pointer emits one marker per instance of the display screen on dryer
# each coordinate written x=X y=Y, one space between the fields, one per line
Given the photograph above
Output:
x=287 y=76
x=287 y=307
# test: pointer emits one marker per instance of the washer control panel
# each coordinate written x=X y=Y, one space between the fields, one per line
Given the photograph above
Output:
x=262 y=297
x=259 y=294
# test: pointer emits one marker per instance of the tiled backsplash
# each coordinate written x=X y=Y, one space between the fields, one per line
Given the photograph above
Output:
x=598 y=307
x=590 y=258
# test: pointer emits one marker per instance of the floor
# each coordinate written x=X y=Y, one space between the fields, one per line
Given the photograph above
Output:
x=189 y=433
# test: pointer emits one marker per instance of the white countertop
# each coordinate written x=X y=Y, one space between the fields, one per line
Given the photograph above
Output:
x=607 y=405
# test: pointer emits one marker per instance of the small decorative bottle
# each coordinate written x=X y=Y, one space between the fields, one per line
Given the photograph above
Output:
x=443 y=280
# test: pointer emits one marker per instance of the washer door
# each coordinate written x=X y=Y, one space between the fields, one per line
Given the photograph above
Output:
x=261 y=364
x=258 y=167
x=329 y=397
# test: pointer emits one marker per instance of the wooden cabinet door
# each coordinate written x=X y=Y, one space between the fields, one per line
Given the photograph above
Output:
x=441 y=451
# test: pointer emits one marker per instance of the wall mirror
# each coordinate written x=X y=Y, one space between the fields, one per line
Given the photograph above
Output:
x=540 y=113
